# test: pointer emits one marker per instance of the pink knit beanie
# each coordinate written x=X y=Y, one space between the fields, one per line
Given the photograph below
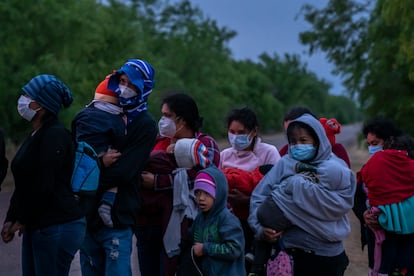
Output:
x=205 y=182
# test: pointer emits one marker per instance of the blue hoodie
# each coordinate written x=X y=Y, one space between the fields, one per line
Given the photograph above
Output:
x=317 y=211
x=220 y=232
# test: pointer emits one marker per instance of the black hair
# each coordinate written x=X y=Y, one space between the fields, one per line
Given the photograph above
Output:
x=402 y=142
x=244 y=115
x=297 y=111
x=381 y=127
x=186 y=108
x=301 y=125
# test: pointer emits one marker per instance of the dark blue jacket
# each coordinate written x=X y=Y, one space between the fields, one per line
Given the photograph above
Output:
x=4 y=163
x=126 y=172
x=98 y=128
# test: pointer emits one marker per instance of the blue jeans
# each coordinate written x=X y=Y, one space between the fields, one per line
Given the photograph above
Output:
x=106 y=251
x=50 y=250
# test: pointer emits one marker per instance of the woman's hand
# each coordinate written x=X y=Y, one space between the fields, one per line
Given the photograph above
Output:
x=6 y=234
x=148 y=180
x=271 y=235
x=170 y=148
x=371 y=219
x=9 y=229
x=110 y=157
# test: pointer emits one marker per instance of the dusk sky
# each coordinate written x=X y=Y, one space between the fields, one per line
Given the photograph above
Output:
x=268 y=26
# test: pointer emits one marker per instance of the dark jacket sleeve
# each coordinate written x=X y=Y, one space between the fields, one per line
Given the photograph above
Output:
x=4 y=163
x=125 y=173
x=359 y=208
x=12 y=212
x=135 y=152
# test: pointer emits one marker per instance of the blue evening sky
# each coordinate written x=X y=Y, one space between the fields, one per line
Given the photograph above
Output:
x=270 y=26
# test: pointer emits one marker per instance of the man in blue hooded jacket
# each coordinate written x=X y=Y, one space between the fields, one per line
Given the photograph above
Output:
x=107 y=250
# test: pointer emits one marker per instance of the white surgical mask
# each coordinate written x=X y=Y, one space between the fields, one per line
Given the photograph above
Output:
x=24 y=110
x=239 y=141
x=126 y=92
x=166 y=127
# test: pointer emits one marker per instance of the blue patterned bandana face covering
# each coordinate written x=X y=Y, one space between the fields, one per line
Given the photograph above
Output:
x=303 y=152
x=374 y=149
x=239 y=141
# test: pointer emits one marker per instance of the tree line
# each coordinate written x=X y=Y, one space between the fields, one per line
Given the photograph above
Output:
x=82 y=41
x=371 y=44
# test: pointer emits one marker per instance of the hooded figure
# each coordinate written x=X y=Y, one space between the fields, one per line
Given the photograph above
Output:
x=141 y=75
x=133 y=98
x=218 y=230
x=318 y=212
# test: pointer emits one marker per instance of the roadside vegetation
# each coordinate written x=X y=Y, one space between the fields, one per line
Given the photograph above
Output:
x=371 y=44
x=83 y=41
x=368 y=41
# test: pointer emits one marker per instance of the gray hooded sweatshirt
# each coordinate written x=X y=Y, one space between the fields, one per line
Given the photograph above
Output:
x=318 y=212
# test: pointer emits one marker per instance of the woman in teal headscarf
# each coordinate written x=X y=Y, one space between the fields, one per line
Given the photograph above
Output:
x=43 y=207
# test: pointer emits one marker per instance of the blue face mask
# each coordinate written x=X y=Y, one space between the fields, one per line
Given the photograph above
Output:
x=303 y=152
x=239 y=141
x=374 y=149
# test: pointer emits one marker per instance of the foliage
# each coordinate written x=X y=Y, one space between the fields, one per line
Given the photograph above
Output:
x=371 y=45
x=399 y=13
x=83 y=41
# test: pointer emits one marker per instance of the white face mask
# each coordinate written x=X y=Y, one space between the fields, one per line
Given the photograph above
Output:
x=24 y=110
x=166 y=127
x=126 y=92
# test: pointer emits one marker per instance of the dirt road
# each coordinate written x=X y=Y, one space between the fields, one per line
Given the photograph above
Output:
x=10 y=263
